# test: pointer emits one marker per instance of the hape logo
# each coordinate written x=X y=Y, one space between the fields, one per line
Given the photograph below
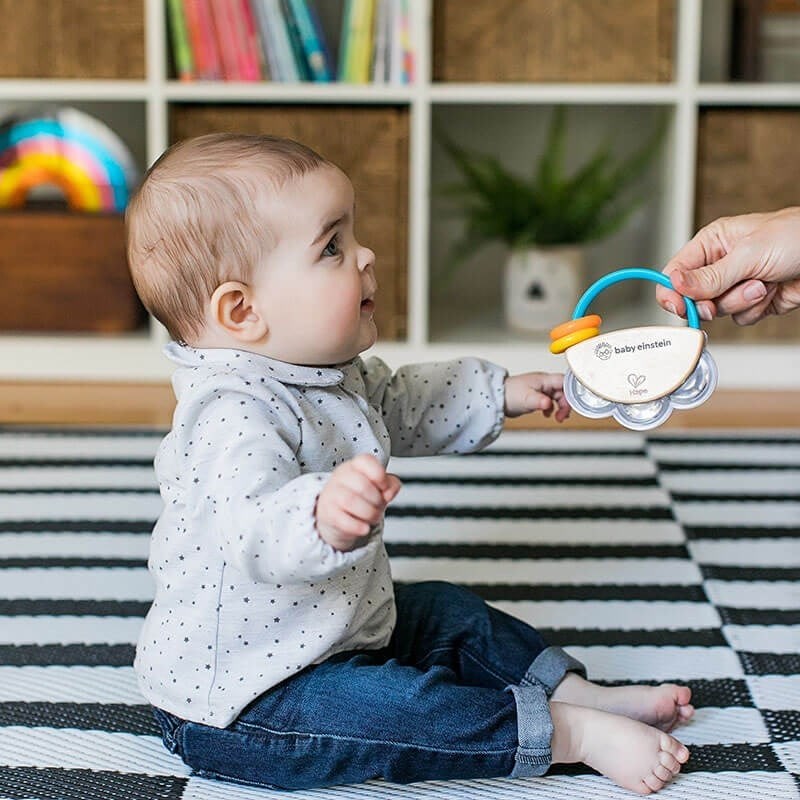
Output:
x=636 y=380
x=603 y=350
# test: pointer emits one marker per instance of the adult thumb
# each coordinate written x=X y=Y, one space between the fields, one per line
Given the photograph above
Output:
x=708 y=282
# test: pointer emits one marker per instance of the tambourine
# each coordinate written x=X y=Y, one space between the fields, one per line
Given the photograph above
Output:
x=636 y=375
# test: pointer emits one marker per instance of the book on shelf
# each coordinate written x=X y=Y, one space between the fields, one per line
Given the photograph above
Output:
x=252 y=63
x=268 y=44
x=285 y=40
x=310 y=34
x=181 y=46
x=357 y=36
x=207 y=64
x=225 y=35
x=268 y=32
x=296 y=41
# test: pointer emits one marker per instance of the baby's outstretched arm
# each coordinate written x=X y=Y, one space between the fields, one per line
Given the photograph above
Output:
x=536 y=391
x=353 y=501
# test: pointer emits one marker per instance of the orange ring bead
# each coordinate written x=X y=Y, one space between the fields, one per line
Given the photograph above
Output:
x=563 y=342
x=590 y=321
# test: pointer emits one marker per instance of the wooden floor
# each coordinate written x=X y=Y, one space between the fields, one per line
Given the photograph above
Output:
x=151 y=404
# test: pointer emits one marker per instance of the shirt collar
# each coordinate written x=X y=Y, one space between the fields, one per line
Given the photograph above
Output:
x=282 y=371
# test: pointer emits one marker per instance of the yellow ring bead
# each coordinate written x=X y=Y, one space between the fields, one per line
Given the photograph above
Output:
x=590 y=321
x=563 y=342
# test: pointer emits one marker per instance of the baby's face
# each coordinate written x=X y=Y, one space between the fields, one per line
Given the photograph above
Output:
x=317 y=286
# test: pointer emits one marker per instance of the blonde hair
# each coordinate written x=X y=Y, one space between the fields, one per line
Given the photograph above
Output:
x=194 y=223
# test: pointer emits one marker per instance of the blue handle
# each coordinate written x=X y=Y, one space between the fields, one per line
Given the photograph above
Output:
x=633 y=273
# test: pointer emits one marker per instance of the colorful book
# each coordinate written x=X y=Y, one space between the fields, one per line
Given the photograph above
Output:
x=267 y=40
x=345 y=42
x=201 y=37
x=315 y=18
x=309 y=35
x=407 y=47
x=382 y=37
x=212 y=55
x=181 y=48
x=225 y=33
x=357 y=27
x=279 y=33
x=296 y=41
x=250 y=61
x=362 y=56
x=400 y=44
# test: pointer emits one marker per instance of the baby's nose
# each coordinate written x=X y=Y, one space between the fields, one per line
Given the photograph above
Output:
x=366 y=258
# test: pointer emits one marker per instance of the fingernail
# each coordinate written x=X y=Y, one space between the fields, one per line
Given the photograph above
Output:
x=705 y=313
x=754 y=291
x=671 y=308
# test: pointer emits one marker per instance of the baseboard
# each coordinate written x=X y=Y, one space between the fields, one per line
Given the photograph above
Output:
x=152 y=404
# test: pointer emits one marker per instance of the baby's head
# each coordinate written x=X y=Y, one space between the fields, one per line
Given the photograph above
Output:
x=248 y=242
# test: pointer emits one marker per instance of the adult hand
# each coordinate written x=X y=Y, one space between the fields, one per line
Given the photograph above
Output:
x=746 y=266
x=536 y=391
x=352 y=502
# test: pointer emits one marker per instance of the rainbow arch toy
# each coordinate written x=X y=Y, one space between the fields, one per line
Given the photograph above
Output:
x=77 y=153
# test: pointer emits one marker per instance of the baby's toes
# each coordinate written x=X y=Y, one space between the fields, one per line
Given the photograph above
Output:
x=669 y=762
x=653 y=783
x=671 y=745
x=682 y=695
x=664 y=773
x=685 y=713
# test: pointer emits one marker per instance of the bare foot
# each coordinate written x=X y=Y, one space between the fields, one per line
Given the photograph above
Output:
x=634 y=755
x=663 y=706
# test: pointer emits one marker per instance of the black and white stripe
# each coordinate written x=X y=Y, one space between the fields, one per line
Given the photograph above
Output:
x=671 y=557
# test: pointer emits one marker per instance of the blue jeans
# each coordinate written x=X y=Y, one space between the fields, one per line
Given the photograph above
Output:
x=461 y=691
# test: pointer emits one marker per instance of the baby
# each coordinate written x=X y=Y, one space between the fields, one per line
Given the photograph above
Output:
x=277 y=652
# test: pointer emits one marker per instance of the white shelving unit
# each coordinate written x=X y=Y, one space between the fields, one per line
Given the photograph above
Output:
x=137 y=357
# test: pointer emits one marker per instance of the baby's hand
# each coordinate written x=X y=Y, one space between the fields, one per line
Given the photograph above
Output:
x=536 y=391
x=353 y=501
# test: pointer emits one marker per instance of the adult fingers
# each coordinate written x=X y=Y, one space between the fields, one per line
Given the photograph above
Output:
x=672 y=301
x=787 y=298
x=697 y=252
x=741 y=297
x=713 y=280
x=758 y=311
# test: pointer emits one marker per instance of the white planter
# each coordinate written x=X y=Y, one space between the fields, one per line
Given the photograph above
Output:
x=542 y=286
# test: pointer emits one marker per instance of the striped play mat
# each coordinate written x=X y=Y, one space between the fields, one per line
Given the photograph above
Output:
x=651 y=558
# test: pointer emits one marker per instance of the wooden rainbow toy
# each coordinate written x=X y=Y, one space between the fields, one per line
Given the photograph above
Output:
x=77 y=153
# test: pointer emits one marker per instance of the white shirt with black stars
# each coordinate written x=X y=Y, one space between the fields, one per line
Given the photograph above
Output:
x=246 y=592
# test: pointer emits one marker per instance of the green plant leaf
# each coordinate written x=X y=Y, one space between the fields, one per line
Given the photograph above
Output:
x=551 y=208
x=551 y=163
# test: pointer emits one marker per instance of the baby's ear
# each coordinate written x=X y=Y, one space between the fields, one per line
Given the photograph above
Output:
x=233 y=312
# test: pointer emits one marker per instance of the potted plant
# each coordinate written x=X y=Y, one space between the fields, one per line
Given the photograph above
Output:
x=544 y=220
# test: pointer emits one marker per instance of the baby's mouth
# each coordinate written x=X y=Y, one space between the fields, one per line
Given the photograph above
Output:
x=368 y=305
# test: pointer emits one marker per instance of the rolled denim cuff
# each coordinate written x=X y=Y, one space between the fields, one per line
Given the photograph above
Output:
x=550 y=667
x=535 y=731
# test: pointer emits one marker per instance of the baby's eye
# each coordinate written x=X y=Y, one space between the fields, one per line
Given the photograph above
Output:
x=332 y=248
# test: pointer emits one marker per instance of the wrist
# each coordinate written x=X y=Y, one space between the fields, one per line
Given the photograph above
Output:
x=511 y=401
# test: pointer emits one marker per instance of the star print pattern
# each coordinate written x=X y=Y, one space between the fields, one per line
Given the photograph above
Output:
x=247 y=593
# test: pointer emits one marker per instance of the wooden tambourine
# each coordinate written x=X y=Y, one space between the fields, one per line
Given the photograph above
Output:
x=636 y=375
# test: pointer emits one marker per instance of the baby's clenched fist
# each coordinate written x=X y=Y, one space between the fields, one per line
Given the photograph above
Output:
x=353 y=501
